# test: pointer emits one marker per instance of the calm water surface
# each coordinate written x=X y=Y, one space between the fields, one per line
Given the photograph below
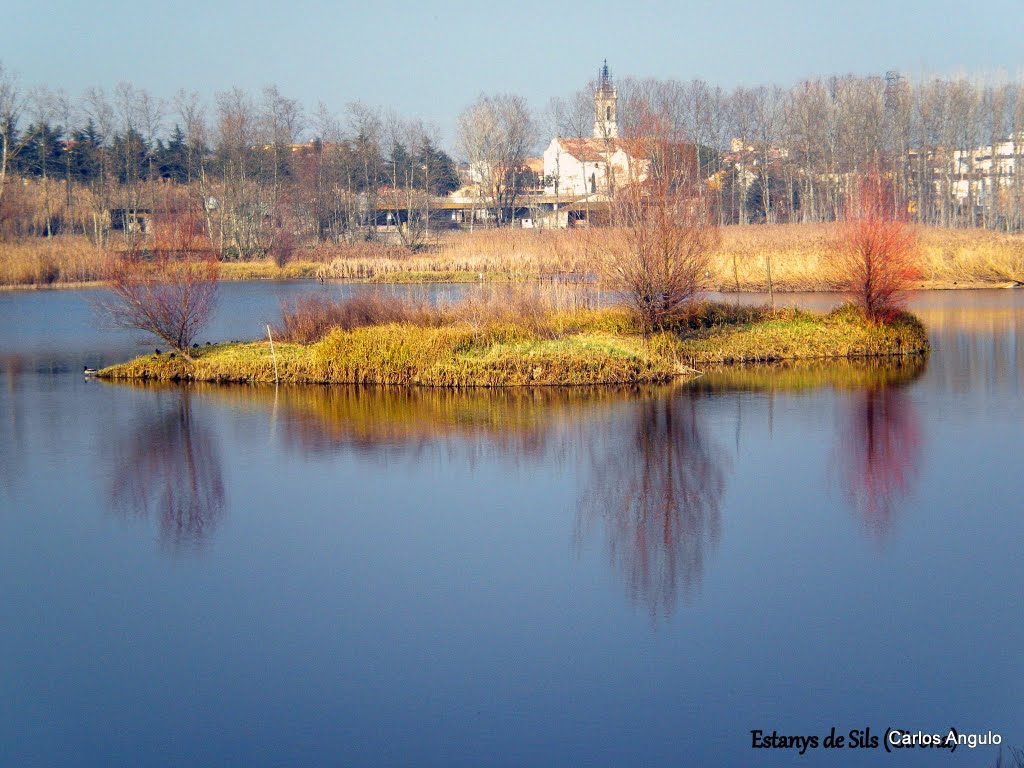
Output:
x=309 y=576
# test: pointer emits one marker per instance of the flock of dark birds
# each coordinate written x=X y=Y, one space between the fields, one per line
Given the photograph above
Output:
x=90 y=372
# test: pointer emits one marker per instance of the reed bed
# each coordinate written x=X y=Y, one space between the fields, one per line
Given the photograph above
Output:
x=801 y=258
x=51 y=261
x=506 y=254
x=545 y=309
x=799 y=255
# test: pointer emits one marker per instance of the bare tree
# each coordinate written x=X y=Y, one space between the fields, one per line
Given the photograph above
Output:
x=367 y=130
x=496 y=133
x=101 y=114
x=876 y=250
x=571 y=117
x=43 y=108
x=65 y=110
x=659 y=253
x=171 y=291
x=12 y=104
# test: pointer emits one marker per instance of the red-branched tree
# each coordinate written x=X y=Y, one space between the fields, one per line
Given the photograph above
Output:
x=876 y=250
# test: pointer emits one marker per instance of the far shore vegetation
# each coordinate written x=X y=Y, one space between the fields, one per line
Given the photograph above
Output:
x=800 y=259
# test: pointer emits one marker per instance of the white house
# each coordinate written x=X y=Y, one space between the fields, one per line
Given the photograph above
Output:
x=979 y=171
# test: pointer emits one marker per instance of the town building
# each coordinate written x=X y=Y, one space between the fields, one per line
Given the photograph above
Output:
x=581 y=167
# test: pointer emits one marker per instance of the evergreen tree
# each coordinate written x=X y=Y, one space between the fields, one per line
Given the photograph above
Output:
x=85 y=149
x=172 y=158
x=436 y=166
x=42 y=153
x=130 y=154
x=397 y=167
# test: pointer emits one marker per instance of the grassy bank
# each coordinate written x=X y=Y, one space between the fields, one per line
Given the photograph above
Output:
x=799 y=259
x=793 y=334
x=565 y=348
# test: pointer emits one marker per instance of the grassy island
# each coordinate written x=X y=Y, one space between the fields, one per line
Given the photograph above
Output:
x=467 y=346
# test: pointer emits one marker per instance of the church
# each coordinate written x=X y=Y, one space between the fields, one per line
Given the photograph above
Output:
x=580 y=167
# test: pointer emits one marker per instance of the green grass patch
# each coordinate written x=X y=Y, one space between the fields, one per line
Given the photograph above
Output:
x=798 y=335
x=402 y=354
x=267 y=270
x=577 y=348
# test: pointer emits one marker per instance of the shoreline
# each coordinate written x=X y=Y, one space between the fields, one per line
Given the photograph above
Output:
x=799 y=256
x=448 y=278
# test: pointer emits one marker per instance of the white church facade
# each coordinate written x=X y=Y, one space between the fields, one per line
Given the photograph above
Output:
x=580 y=167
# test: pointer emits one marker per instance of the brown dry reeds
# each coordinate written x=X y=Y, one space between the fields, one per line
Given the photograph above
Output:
x=310 y=318
x=799 y=254
x=512 y=254
x=51 y=261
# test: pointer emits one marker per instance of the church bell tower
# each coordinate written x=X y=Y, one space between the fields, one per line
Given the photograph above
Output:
x=606 y=123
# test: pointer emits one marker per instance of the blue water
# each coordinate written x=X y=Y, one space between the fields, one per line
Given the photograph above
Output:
x=336 y=576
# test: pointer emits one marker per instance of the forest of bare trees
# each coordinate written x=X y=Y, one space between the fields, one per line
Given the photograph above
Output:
x=795 y=155
x=264 y=172
x=268 y=174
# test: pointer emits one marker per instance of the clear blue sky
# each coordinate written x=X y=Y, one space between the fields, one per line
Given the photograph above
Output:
x=429 y=60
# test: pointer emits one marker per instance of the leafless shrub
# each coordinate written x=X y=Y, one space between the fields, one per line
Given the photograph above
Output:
x=876 y=250
x=170 y=292
x=309 y=318
x=659 y=253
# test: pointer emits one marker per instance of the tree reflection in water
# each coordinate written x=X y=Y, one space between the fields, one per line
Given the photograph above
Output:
x=656 y=490
x=169 y=465
x=879 y=452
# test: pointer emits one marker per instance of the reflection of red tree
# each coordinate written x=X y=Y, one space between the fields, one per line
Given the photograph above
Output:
x=657 y=490
x=170 y=465
x=879 y=454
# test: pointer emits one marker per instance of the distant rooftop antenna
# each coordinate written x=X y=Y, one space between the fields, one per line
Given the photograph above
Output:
x=892 y=88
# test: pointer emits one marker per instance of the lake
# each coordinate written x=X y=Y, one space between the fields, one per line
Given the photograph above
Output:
x=204 y=575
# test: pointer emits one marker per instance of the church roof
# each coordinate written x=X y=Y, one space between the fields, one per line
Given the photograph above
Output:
x=535 y=164
x=594 y=150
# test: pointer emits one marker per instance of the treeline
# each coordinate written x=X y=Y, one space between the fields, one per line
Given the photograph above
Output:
x=777 y=154
x=259 y=172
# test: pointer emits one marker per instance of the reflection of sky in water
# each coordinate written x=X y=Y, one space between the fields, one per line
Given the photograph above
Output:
x=237 y=576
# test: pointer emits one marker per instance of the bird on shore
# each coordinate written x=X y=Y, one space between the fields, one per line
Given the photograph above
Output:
x=156 y=352
x=172 y=355
x=87 y=371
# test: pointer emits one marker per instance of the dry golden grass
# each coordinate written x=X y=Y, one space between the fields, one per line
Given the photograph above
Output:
x=511 y=254
x=793 y=334
x=800 y=257
x=504 y=343
x=51 y=261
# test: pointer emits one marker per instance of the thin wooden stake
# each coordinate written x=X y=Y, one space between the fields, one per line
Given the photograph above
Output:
x=277 y=380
